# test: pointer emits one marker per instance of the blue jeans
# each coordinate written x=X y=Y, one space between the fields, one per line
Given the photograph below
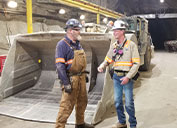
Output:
x=129 y=101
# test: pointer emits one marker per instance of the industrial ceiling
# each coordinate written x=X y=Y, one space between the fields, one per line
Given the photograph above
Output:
x=43 y=10
x=50 y=8
x=132 y=7
x=163 y=20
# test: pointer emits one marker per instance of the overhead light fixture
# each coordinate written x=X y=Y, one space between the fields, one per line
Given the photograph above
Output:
x=12 y=4
x=82 y=8
x=151 y=15
x=62 y=11
x=82 y=17
x=105 y=20
x=161 y=1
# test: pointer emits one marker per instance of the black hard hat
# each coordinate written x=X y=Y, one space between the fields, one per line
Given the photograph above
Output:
x=73 y=23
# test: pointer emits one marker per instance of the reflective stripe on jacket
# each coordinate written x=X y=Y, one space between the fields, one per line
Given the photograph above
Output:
x=129 y=61
x=64 y=57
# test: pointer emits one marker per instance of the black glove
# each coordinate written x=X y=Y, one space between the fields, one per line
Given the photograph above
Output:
x=68 y=88
x=111 y=72
x=136 y=76
x=86 y=79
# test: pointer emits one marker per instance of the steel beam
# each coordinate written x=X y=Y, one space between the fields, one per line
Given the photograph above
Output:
x=160 y=16
x=87 y=6
x=98 y=18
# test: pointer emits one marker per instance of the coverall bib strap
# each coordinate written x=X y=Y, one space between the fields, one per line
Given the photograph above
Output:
x=79 y=62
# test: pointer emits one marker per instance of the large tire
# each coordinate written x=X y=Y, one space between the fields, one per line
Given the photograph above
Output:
x=147 y=59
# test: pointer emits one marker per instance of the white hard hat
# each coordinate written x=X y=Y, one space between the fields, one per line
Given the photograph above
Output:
x=119 y=24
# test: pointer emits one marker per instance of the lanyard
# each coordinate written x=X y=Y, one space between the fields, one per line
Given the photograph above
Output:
x=119 y=51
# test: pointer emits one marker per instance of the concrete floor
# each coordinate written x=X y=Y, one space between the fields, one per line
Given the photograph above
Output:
x=155 y=99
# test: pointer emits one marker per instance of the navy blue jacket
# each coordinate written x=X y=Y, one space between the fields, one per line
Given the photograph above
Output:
x=64 y=56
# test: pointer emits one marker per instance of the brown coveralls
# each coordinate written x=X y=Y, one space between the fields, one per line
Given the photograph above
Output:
x=78 y=96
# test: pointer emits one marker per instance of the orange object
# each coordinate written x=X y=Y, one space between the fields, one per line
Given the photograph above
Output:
x=110 y=23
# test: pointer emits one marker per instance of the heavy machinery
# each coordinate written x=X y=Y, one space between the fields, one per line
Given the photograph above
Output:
x=139 y=27
x=137 y=31
x=29 y=87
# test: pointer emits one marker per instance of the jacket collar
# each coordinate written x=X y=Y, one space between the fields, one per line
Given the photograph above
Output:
x=71 y=42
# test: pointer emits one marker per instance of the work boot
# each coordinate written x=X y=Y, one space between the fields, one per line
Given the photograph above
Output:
x=85 y=125
x=119 y=125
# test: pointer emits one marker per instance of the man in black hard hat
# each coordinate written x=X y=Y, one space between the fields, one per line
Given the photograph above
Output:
x=71 y=64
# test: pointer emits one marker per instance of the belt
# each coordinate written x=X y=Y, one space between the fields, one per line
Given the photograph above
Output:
x=78 y=74
x=121 y=73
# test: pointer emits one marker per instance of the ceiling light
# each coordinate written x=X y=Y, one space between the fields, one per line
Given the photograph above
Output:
x=82 y=17
x=62 y=11
x=105 y=20
x=150 y=15
x=82 y=8
x=12 y=4
x=161 y=1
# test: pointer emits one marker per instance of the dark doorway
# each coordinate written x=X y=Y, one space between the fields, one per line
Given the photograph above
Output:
x=162 y=30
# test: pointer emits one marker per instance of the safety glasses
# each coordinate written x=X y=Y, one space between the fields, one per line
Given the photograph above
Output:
x=76 y=29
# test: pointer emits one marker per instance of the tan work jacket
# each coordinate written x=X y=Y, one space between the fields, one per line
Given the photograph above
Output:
x=129 y=61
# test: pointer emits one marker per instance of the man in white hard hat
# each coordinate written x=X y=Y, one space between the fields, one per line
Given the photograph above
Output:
x=126 y=61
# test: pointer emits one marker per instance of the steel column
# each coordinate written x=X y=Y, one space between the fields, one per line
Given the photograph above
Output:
x=29 y=15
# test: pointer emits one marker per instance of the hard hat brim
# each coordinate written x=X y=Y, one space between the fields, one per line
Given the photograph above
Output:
x=79 y=26
x=114 y=28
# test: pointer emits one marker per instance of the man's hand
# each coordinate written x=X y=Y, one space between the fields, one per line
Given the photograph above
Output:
x=100 y=69
x=68 y=88
x=125 y=80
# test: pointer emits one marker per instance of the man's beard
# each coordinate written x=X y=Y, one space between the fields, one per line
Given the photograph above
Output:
x=78 y=37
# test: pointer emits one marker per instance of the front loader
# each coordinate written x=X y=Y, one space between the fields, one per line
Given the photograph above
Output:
x=30 y=89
